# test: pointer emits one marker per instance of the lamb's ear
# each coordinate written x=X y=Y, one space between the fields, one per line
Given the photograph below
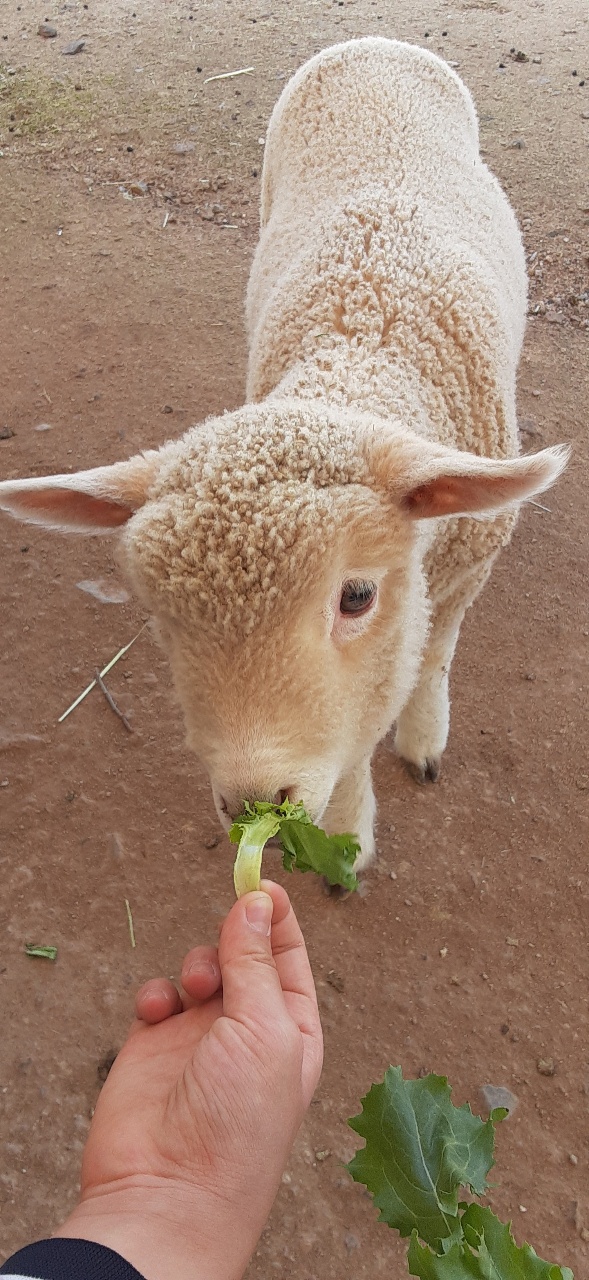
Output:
x=86 y=502
x=432 y=482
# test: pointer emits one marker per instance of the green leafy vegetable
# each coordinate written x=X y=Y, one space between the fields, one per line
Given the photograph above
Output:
x=486 y=1252
x=304 y=845
x=420 y=1150
x=45 y=953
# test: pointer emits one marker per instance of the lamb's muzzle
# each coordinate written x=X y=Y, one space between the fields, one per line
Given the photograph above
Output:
x=231 y=804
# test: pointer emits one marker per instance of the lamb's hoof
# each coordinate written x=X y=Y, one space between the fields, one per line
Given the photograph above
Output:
x=429 y=771
x=336 y=892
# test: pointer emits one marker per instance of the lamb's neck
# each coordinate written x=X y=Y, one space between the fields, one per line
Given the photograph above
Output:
x=371 y=382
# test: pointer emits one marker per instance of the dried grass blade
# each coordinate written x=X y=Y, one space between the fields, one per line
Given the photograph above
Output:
x=130 y=920
x=104 y=672
x=228 y=75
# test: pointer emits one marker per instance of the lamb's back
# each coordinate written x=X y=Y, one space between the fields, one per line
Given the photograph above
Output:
x=372 y=106
x=378 y=214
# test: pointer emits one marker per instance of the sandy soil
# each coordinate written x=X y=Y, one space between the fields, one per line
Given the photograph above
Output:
x=467 y=952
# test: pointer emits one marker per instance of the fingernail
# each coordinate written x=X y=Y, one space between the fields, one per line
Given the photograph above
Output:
x=203 y=968
x=258 y=913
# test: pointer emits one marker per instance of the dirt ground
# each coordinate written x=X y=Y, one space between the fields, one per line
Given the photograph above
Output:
x=467 y=951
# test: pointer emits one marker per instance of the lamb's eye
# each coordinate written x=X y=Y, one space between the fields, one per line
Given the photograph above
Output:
x=357 y=597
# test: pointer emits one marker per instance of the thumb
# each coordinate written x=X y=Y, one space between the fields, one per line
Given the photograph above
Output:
x=252 y=992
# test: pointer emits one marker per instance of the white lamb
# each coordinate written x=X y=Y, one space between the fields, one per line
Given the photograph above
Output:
x=302 y=555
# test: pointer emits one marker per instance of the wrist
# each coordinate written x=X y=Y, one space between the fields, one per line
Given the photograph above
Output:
x=167 y=1232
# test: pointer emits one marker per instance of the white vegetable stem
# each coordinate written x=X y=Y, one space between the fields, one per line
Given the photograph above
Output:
x=248 y=863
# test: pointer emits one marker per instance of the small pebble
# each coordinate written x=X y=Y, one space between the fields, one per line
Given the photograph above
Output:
x=75 y=46
x=351 y=1241
x=43 y=426
x=137 y=188
x=6 y=433
x=167 y=409
x=546 y=1066
x=499 y=1096
x=573 y=1159
x=211 y=842
x=46 y=31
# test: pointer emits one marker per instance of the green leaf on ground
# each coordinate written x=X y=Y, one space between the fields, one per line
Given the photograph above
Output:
x=44 y=953
x=486 y=1252
x=420 y=1149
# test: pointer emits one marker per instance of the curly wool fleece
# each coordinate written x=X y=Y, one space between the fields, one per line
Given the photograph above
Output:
x=243 y=509
x=390 y=272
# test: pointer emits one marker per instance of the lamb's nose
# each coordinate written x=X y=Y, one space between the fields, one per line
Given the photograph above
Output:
x=232 y=806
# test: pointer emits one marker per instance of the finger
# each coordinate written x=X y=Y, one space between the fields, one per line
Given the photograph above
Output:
x=259 y=966
x=252 y=993
x=296 y=977
x=288 y=945
x=157 y=1000
x=201 y=973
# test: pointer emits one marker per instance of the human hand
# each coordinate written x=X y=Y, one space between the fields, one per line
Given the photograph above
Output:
x=196 y=1121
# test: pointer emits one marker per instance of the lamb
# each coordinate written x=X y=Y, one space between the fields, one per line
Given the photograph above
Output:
x=308 y=559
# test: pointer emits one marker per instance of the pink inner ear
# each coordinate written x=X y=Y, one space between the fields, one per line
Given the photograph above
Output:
x=453 y=495
x=70 y=507
x=440 y=497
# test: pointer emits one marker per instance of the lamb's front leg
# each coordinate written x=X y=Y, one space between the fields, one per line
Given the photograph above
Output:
x=352 y=808
x=422 y=727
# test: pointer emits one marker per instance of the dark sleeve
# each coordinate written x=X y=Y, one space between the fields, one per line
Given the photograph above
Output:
x=64 y=1259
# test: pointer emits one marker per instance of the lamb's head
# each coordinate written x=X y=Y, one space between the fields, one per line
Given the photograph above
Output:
x=279 y=549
